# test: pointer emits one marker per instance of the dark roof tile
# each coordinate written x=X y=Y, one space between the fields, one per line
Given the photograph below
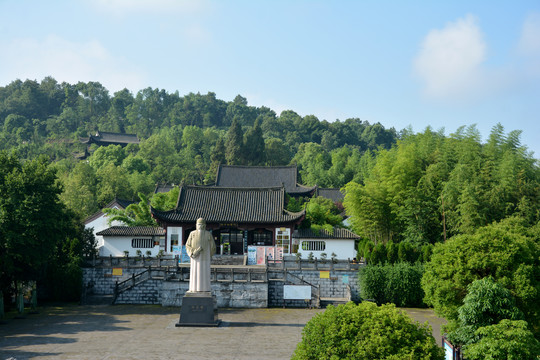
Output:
x=132 y=231
x=339 y=233
x=333 y=194
x=223 y=204
x=261 y=176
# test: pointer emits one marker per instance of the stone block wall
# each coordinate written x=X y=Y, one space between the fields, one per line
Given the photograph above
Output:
x=228 y=294
x=333 y=287
x=237 y=294
x=100 y=280
x=148 y=292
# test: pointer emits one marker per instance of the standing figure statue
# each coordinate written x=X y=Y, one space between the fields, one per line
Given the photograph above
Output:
x=200 y=247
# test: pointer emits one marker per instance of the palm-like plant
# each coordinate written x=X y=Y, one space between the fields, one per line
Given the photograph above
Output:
x=137 y=214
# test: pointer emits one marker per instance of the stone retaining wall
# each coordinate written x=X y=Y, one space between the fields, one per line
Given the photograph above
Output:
x=333 y=287
x=229 y=294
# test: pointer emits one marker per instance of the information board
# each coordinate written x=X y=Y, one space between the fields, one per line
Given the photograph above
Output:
x=297 y=292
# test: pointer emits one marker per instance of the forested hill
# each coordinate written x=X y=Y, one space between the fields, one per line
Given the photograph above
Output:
x=396 y=180
x=47 y=112
x=183 y=138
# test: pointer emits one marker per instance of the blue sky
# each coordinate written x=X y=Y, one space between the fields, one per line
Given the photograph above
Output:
x=442 y=64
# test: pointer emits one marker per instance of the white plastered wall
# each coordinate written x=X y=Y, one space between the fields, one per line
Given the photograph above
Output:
x=343 y=248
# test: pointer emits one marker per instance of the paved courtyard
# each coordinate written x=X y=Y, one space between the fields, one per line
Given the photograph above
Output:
x=149 y=332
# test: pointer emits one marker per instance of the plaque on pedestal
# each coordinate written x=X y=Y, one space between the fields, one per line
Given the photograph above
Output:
x=199 y=309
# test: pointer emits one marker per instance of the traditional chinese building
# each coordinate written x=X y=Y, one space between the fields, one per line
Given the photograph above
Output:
x=103 y=138
x=340 y=242
x=263 y=176
x=127 y=240
x=237 y=217
x=99 y=221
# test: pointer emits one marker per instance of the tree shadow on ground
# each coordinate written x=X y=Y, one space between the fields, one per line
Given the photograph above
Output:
x=48 y=326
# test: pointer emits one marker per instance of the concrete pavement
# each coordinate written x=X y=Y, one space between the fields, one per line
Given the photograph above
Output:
x=149 y=332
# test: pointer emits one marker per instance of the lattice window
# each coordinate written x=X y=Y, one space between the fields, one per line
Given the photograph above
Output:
x=142 y=243
x=314 y=245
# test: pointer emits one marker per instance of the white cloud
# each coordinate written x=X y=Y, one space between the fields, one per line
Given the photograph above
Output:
x=67 y=61
x=529 y=46
x=529 y=43
x=449 y=62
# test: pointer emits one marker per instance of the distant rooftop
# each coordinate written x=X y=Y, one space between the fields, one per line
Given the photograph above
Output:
x=109 y=138
x=333 y=194
x=163 y=188
x=262 y=176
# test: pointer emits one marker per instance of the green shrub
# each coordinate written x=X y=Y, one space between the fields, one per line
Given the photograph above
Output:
x=366 y=331
x=378 y=255
x=372 y=279
x=392 y=252
x=392 y=283
x=404 y=284
x=509 y=339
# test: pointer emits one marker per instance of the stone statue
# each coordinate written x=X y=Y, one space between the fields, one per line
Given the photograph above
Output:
x=200 y=247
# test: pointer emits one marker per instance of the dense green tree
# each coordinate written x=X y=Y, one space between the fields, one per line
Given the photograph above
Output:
x=159 y=151
x=429 y=187
x=507 y=340
x=113 y=182
x=216 y=158
x=366 y=331
x=234 y=142
x=33 y=221
x=505 y=251
x=313 y=163
x=238 y=109
x=486 y=303
x=254 y=146
x=80 y=189
x=165 y=201
x=104 y=155
x=322 y=213
x=276 y=152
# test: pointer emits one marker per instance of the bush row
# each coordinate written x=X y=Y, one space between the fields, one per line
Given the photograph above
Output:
x=393 y=252
x=398 y=283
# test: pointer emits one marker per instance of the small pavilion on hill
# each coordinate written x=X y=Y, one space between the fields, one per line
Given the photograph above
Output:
x=237 y=217
x=103 y=138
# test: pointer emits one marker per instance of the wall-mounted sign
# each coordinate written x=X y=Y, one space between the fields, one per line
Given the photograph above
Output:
x=117 y=271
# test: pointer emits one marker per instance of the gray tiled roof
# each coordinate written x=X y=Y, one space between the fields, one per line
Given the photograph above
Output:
x=223 y=205
x=261 y=176
x=339 y=233
x=112 y=138
x=132 y=231
x=163 y=188
x=332 y=194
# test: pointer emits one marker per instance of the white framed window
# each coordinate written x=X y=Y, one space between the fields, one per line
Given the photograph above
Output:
x=313 y=245
x=142 y=243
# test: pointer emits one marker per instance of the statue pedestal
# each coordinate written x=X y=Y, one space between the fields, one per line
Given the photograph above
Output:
x=199 y=309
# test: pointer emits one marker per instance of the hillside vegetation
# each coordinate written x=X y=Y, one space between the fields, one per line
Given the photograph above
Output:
x=419 y=187
x=183 y=138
